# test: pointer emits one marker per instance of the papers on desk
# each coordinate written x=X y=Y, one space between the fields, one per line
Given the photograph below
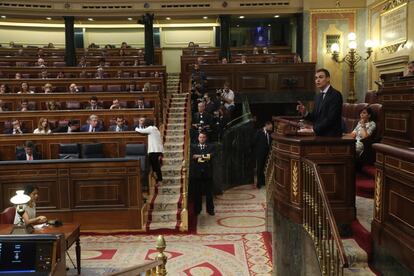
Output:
x=39 y=226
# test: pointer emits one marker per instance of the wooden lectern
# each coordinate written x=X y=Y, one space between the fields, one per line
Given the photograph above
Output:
x=334 y=158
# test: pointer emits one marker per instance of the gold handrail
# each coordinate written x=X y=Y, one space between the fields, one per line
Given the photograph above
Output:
x=151 y=268
x=319 y=222
x=185 y=168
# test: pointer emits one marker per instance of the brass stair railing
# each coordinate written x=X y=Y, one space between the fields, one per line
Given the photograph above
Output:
x=186 y=167
x=150 y=268
x=319 y=222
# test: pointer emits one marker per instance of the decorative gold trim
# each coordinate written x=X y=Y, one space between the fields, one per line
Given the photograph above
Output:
x=295 y=180
x=393 y=4
x=391 y=49
x=378 y=195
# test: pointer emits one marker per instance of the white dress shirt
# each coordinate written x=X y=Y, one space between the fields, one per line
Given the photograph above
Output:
x=154 y=138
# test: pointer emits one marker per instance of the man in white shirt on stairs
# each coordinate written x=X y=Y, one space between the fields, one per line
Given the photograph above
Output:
x=155 y=147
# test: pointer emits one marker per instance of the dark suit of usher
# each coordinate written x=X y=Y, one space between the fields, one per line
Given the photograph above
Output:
x=327 y=114
x=261 y=145
x=201 y=177
x=205 y=121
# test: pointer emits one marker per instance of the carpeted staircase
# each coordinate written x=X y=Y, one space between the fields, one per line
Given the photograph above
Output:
x=165 y=206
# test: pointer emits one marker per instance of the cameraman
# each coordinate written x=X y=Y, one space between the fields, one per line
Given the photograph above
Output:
x=226 y=95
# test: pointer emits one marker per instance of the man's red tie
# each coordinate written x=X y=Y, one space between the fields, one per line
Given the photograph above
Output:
x=30 y=157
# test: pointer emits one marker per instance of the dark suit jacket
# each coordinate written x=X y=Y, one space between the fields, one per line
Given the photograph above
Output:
x=205 y=117
x=85 y=128
x=10 y=130
x=260 y=144
x=327 y=114
x=210 y=107
x=113 y=128
x=22 y=156
x=201 y=170
x=64 y=129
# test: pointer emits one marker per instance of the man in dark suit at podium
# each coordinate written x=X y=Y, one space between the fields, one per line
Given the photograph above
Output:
x=327 y=114
x=201 y=174
x=261 y=145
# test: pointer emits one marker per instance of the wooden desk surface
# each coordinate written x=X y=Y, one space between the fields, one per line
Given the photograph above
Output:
x=70 y=230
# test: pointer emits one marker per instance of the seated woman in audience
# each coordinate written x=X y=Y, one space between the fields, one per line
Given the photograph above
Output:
x=121 y=52
x=20 y=52
x=101 y=63
x=297 y=59
x=24 y=106
x=255 y=51
x=50 y=45
x=131 y=87
x=42 y=127
x=17 y=76
x=40 y=63
x=93 y=46
x=224 y=61
x=140 y=52
x=52 y=105
x=4 y=89
x=73 y=88
x=147 y=87
x=124 y=45
x=29 y=216
x=136 y=62
x=40 y=53
x=243 y=59
x=24 y=89
x=100 y=73
x=47 y=88
x=364 y=129
x=265 y=50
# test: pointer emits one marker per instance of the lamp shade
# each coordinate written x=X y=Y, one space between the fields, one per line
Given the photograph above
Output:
x=335 y=48
x=351 y=36
x=352 y=45
x=369 y=44
x=20 y=198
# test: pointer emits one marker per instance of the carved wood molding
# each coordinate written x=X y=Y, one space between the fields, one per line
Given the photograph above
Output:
x=393 y=4
x=378 y=196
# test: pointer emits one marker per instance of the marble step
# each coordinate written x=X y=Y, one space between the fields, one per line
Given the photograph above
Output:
x=164 y=216
x=169 y=189
x=357 y=257
x=163 y=225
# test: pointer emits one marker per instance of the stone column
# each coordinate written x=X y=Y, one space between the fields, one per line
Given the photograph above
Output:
x=225 y=36
x=70 y=50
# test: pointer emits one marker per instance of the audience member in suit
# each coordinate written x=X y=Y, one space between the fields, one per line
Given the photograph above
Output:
x=24 y=106
x=327 y=114
x=210 y=105
x=221 y=118
x=92 y=125
x=3 y=107
x=141 y=104
x=73 y=88
x=202 y=122
x=201 y=174
x=17 y=128
x=155 y=148
x=29 y=152
x=115 y=104
x=261 y=144
x=72 y=126
x=119 y=126
x=141 y=123
x=93 y=104
x=4 y=89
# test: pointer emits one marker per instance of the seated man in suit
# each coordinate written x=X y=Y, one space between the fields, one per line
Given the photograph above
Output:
x=141 y=104
x=93 y=104
x=327 y=114
x=115 y=104
x=120 y=125
x=17 y=128
x=3 y=107
x=24 y=106
x=92 y=125
x=141 y=123
x=29 y=152
x=71 y=126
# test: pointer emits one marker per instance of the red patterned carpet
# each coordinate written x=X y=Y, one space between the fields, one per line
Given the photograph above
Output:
x=233 y=242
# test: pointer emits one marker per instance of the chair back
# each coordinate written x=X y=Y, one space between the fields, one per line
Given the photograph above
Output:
x=69 y=151
x=7 y=216
x=94 y=150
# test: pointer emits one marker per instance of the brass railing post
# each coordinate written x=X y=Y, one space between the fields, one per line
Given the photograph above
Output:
x=161 y=270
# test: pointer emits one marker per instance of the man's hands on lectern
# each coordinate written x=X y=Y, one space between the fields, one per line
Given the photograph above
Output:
x=301 y=108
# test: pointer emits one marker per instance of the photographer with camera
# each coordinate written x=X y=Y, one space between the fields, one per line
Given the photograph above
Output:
x=201 y=174
x=226 y=96
x=201 y=122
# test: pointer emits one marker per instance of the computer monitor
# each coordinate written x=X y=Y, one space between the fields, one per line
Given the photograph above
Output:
x=27 y=254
